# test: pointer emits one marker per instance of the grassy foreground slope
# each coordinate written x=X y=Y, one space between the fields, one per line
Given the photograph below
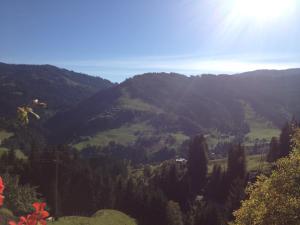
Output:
x=102 y=217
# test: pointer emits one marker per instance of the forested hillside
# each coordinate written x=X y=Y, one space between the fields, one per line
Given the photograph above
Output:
x=168 y=108
x=60 y=88
x=162 y=148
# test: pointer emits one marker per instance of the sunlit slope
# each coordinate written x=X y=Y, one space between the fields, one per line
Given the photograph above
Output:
x=253 y=104
x=260 y=128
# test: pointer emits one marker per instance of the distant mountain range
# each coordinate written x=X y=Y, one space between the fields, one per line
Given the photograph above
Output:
x=154 y=109
x=60 y=88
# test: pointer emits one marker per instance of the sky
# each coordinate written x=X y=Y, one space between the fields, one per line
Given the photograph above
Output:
x=117 y=39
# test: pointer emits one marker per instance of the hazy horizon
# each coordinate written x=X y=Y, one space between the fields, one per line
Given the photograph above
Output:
x=117 y=39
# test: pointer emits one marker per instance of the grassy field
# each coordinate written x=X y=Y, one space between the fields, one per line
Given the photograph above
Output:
x=260 y=128
x=126 y=102
x=254 y=163
x=4 y=135
x=102 y=217
x=19 y=153
x=124 y=135
x=128 y=134
x=214 y=137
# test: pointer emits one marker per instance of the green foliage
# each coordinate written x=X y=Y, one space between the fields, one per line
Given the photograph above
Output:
x=102 y=217
x=23 y=115
x=236 y=163
x=173 y=214
x=206 y=213
x=274 y=150
x=136 y=104
x=197 y=164
x=214 y=190
x=4 y=135
x=5 y=216
x=129 y=134
x=285 y=140
x=253 y=163
x=175 y=103
x=283 y=146
x=276 y=199
x=18 y=198
x=60 y=88
x=235 y=178
x=124 y=135
x=260 y=127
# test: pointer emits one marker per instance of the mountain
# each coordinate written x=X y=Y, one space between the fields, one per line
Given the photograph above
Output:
x=156 y=109
x=60 y=88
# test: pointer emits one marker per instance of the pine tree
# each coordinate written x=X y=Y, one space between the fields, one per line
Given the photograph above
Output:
x=236 y=194
x=214 y=190
x=207 y=214
x=173 y=214
x=285 y=140
x=236 y=163
x=236 y=176
x=273 y=153
x=274 y=199
x=197 y=164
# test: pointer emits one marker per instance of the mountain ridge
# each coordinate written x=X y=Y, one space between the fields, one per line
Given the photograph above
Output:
x=172 y=103
x=155 y=111
x=60 y=88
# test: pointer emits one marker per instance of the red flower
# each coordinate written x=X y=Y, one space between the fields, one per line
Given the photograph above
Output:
x=36 y=218
x=1 y=191
x=40 y=210
x=21 y=221
x=1 y=186
x=11 y=222
x=1 y=200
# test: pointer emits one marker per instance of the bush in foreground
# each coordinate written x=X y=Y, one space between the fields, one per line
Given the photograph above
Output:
x=276 y=199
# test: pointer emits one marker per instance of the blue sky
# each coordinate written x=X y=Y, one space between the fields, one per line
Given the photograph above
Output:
x=116 y=39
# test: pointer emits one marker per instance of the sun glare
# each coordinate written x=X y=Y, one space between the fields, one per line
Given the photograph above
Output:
x=263 y=10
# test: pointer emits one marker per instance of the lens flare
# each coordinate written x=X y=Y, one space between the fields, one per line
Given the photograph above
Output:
x=263 y=10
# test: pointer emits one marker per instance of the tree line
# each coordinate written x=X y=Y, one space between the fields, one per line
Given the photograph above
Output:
x=171 y=192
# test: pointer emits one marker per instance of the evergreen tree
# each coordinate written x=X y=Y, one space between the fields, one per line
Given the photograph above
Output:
x=207 y=214
x=285 y=139
x=197 y=164
x=274 y=149
x=236 y=177
x=274 y=199
x=214 y=190
x=173 y=214
x=236 y=194
x=236 y=163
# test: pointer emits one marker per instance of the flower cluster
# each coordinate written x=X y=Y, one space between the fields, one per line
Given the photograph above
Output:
x=1 y=192
x=38 y=217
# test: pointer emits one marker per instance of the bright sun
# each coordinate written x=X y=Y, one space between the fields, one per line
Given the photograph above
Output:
x=263 y=10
